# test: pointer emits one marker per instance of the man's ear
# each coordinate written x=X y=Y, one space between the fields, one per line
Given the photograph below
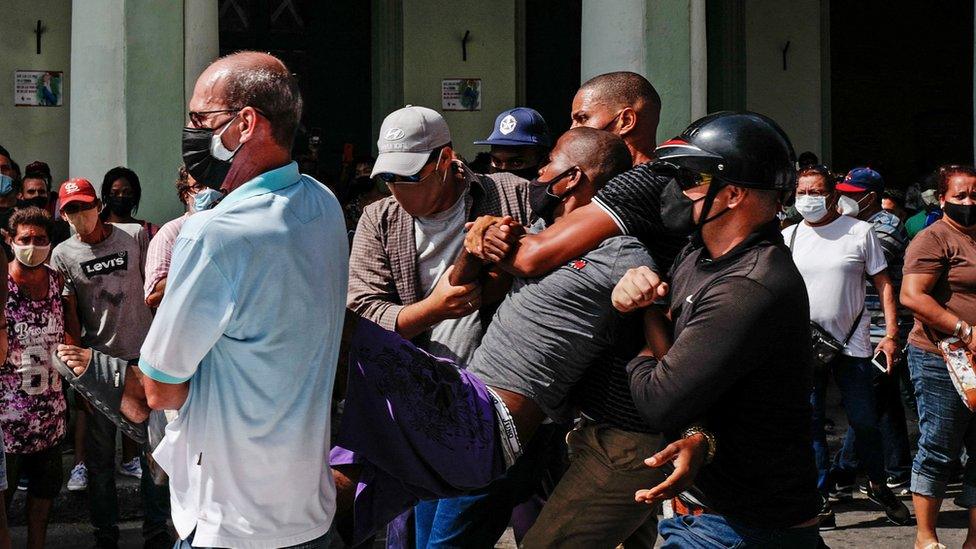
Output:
x=628 y=120
x=247 y=123
x=736 y=195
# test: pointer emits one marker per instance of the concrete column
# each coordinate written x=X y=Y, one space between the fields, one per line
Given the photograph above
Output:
x=97 y=134
x=663 y=40
x=201 y=41
x=131 y=87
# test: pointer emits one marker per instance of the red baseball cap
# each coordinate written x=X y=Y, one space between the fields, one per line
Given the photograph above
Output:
x=76 y=189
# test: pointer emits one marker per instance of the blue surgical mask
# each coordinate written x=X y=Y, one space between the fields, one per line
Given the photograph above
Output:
x=206 y=199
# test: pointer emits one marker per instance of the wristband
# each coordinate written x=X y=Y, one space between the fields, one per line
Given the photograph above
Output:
x=709 y=438
x=891 y=337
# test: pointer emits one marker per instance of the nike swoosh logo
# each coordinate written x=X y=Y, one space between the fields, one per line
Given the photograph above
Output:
x=688 y=299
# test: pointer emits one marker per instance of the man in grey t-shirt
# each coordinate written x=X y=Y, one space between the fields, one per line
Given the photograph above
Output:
x=103 y=269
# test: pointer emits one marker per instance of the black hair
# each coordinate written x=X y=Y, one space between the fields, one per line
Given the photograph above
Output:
x=830 y=178
x=121 y=172
x=604 y=153
x=949 y=171
x=31 y=215
x=624 y=89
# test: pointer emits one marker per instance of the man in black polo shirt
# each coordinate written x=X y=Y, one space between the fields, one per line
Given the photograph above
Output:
x=739 y=363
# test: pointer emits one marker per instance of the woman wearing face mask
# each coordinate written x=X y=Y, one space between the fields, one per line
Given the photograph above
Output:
x=835 y=254
x=121 y=192
x=32 y=404
x=939 y=287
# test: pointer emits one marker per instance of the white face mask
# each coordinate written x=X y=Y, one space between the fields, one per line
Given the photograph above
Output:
x=848 y=206
x=30 y=255
x=217 y=148
x=83 y=221
x=813 y=208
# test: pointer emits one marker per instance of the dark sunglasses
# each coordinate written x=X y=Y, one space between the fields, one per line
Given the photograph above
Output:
x=687 y=179
x=388 y=177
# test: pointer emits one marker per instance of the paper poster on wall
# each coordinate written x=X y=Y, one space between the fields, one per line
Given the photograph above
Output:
x=38 y=88
x=461 y=94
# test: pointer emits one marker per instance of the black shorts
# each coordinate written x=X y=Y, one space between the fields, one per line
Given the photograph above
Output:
x=42 y=470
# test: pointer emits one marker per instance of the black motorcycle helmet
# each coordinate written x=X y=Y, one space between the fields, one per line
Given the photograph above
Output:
x=745 y=149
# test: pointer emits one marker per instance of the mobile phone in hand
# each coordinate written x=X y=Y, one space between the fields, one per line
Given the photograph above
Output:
x=880 y=362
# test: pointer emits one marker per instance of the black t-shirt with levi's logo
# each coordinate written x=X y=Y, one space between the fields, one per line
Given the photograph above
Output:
x=106 y=279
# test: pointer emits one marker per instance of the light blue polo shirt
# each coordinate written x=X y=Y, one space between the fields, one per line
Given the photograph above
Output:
x=252 y=317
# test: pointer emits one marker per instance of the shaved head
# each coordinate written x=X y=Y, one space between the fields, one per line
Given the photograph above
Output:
x=601 y=154
x=624 y=89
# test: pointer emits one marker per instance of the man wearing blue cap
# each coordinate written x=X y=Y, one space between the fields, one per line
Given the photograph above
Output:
x=519 y=142
x=860 y=197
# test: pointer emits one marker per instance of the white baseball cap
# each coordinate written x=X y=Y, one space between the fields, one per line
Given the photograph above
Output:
x=407 y=137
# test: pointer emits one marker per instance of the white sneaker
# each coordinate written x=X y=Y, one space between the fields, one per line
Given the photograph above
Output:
x=131 y=468
x=78 y=480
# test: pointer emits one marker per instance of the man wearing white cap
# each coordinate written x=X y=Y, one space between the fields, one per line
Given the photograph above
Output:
x=405 y=244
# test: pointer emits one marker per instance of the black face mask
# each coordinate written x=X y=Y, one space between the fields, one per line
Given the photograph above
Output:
x=678 y=211
x=121 y=206
x=199 y=162
x=541 y=199
x=37 y=201
x=962 y=214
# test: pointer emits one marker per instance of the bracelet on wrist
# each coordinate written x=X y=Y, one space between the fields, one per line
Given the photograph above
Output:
x=959 y=328
x=709 y=439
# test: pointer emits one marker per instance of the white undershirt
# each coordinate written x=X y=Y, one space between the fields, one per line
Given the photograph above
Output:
x=439 y=239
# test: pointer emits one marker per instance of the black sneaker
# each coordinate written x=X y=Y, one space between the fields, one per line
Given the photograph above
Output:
x=900 y=486
x=894 y=509
x=828 y=521
x=842 y=493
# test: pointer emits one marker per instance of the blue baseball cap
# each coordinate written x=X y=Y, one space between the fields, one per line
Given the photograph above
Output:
x=860 y=180
x=519 y=127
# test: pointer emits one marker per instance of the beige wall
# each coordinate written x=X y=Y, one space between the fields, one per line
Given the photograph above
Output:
x=432 y=34
x=791 y=97
x=35 y=133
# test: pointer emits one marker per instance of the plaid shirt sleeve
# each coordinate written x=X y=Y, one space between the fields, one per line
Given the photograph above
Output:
x=372 y=291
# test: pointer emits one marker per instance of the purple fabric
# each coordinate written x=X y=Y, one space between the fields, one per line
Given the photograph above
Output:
x=421 y=428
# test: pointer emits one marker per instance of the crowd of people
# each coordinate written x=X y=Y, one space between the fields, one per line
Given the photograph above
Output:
x=560 y=337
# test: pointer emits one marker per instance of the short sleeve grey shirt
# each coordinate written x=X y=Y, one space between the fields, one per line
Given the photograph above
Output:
x=549 y=330
x=106 y=278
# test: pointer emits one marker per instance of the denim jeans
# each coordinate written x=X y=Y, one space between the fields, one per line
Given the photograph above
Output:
x=103 y=497
x=894 y=432
x=714 y=531
x=855 y=379
x=322 y=542
x=946 y=426
x=479 y=519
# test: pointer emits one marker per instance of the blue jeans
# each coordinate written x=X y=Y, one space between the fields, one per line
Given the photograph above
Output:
x=946 y=426
x=894 y=432
x=479 y=519
x=713 y=531
x=855 y=379
x=318 y=543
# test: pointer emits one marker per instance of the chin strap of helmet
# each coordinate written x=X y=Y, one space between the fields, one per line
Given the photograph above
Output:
x=713 y=190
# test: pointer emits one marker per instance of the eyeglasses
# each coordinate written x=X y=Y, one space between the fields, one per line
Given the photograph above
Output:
x=687 y=179
x=197 y=118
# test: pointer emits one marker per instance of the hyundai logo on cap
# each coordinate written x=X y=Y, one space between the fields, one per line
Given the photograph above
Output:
x=519 y=127
x=406 y=139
